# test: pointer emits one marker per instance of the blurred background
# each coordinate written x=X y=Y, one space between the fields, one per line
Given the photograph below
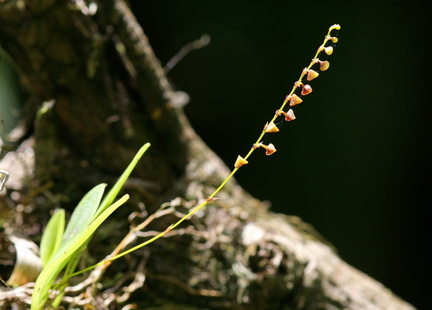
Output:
x=11 y=97
x=356 y=163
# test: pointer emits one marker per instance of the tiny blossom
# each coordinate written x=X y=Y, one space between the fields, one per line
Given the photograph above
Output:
x=334 y=27
x=271 y=127
x=328 y=50
x=295 y=100
x=324 y=65
x=240 y=162
x=270 y=149
x=289 y=116
x=311 y=74
x=307 y=89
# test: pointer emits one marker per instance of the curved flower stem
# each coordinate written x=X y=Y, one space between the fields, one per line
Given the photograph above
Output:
x=292 y=99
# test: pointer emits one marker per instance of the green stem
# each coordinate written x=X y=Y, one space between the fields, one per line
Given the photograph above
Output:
x=233 y=172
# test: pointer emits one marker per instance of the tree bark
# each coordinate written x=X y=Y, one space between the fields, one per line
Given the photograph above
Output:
x=96 y=93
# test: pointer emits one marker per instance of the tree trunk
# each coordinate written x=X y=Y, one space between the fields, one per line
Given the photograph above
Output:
x=96 y=93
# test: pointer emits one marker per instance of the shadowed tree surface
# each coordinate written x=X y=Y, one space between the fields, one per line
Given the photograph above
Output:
x=95 y=93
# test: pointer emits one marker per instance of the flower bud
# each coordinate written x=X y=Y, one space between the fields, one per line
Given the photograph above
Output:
x=289 y=116
x=324 y=65
x=240 y=162
x=311 y=74
x=295 y=100
x=307 y=89
x=270 y=149
x=335 y=26
x=271 y=127
x=328 y=50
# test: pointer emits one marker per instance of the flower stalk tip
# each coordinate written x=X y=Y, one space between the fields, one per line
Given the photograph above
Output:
x=335 y=27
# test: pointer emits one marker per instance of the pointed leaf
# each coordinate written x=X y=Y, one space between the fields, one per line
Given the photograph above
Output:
x=52 y=236
x=59 y=260
x=84 y=213
x=109 y=198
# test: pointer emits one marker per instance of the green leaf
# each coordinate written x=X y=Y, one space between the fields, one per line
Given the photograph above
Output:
x=88 y=215
x=80 y=220
x=52 y=236
x=59 y=260
x=84 y=212
x=112 y=194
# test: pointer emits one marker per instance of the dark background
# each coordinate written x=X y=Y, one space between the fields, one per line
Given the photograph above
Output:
x=356 y=162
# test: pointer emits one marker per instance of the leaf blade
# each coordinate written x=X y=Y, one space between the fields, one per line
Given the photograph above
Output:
x=84 y=212
x=109 y=198
x=52 y=236
x=59 y=260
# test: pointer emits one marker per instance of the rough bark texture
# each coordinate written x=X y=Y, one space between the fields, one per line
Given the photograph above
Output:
x=96 y=93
